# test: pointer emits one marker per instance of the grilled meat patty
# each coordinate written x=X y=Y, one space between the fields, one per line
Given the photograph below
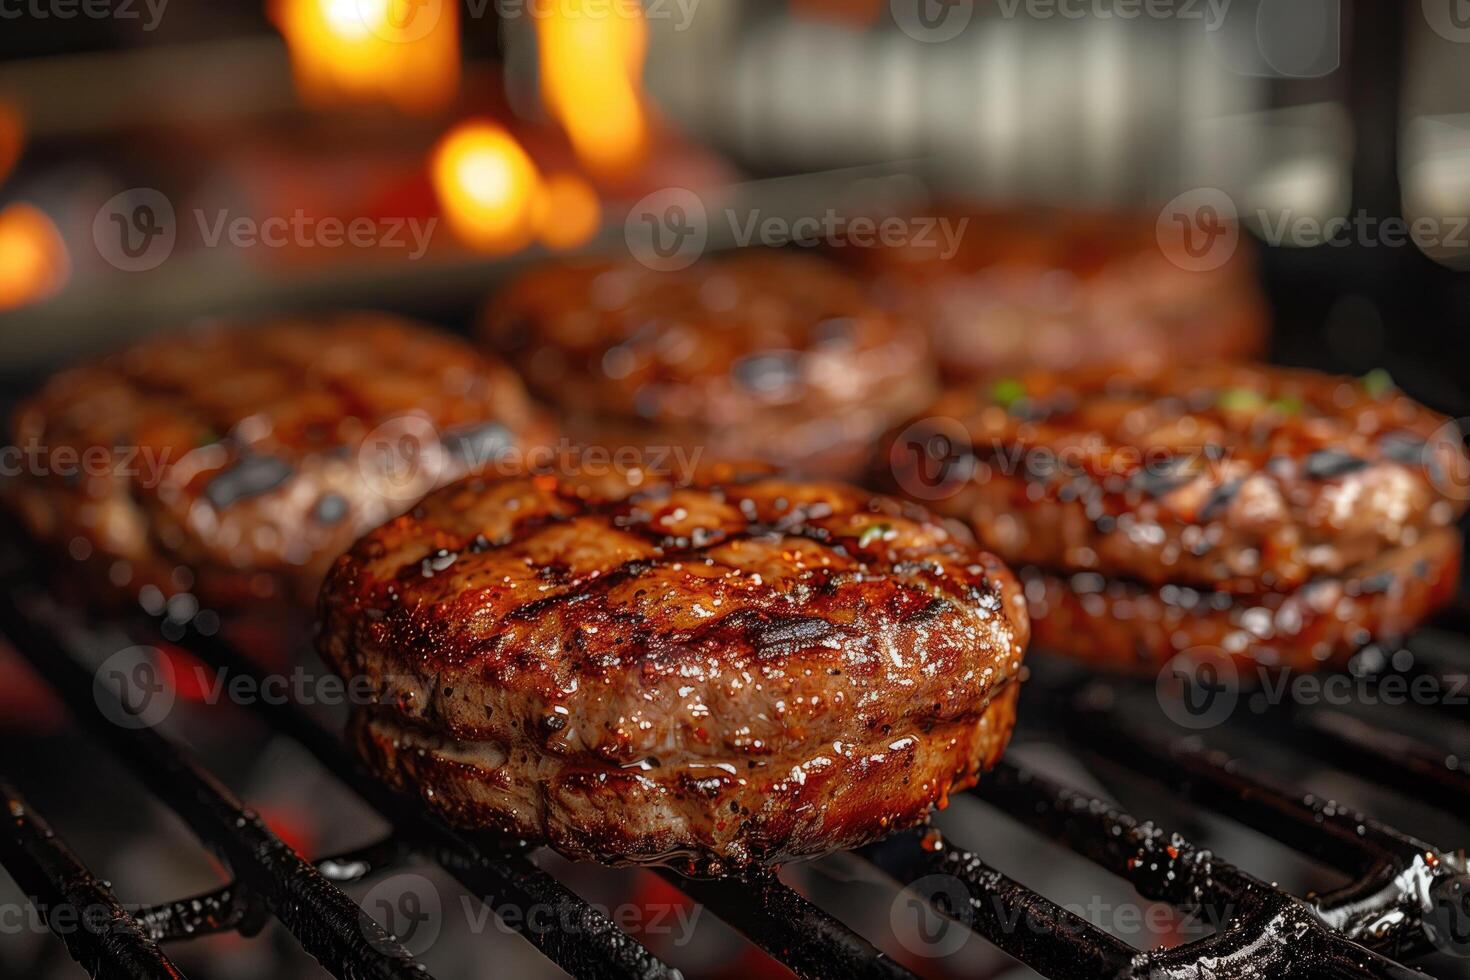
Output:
x=235 y=462
x=1127 y=627
x=1232 y=478
x=760 y=355
x=1060 y=290
x=731 y=670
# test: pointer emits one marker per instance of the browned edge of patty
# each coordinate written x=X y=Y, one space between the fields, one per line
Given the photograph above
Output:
x=607 y=640
x=1132 y=628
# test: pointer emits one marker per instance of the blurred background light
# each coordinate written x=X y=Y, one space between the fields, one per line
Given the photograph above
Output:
x=487 y=186
x=33 y=259
x=402 y=53
x=592 y=54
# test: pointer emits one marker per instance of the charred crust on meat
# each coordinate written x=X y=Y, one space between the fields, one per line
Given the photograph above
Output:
x=776 y=669
x=1243 y=479
x=263 y=442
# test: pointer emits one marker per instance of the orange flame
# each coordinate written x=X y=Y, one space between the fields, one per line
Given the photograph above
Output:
x=591 y=62
x=487 y=186
x=33 y=258
x=403 y=52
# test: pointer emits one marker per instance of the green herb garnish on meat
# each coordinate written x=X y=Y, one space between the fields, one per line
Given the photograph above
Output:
x=873 y=532
x=1240 y=400
x=1005 y=392
x=1377 y=383
x=1287 y=405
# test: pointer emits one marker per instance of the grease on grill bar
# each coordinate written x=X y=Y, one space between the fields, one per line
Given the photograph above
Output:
x=45 y=867
x=1350 y=933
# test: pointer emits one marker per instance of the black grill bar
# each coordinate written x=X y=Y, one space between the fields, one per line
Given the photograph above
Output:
x=782 y=923
x=1399 y=878
x=326 y=922
x=1320 y=828
x=1414 y=767
x=1263 y=931
x=793 y=930
x=590 y=945
x=1048 y=938
x=98 y=932
x=1267 y=933
x=808 y=940
x=234 y=909
x=227 y=909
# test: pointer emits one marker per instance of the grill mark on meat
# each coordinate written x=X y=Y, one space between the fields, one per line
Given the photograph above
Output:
x=1288 y=439
x=1220 y=499
x=669 y=549
x=594 y=590
x=643 y=639
x=191 y=395
x=1324 y=464
x=250 y=476
x=761 y=670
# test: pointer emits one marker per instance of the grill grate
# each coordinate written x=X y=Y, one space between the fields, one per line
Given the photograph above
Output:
x=1360 y=931
x=45 y=867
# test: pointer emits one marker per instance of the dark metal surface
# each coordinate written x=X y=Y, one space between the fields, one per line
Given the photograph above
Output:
x=97 y=931
x=1398 y=879
x=326 y=922
x=503 y=880
x=1267 y=933
x=1050 y=939
x=1349 y=934
x=793 y=930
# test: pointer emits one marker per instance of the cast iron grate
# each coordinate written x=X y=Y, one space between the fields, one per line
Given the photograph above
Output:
x=1404 y=893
